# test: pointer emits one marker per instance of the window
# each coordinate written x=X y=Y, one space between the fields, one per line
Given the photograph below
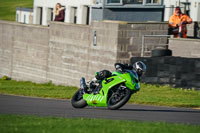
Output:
x=152 y=1
x=73 y=15
x=24 y=19
x=120 y=2
x=39 y=14
x=114 y=2
x=142 y=2
x=132 y=1
x=85 y=14
x=17 y=17
x=49 y=15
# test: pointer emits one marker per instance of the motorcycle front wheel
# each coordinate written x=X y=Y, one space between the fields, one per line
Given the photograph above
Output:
x=77 y=100
x=118 y=96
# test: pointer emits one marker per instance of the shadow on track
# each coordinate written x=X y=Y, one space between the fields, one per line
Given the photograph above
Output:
x=146 y=110
x=159 y=110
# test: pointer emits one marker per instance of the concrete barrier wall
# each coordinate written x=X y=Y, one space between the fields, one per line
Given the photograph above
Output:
x=24 y=51
x=63 y=53
x=185 y=47
x=6 y=45
x=193 y=30
x=30 y=53
x=72 y=54
x=130 y=39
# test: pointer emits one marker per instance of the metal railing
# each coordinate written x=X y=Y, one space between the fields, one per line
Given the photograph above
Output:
x=143 y=42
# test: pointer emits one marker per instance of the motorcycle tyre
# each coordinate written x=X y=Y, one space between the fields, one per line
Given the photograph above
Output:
x=78 y=104
x=161 y=52
x=120 y=103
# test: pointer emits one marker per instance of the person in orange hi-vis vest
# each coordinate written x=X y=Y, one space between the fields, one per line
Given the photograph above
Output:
x=177 y=23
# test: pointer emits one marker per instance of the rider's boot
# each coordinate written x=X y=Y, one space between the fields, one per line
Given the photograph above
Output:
x=83 y=84
x=97 y=89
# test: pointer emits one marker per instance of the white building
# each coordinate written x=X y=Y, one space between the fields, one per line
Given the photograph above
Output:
x=190 y=6
x=143 y=10
x=24 y=15
x=76 y=11
x=84 y=11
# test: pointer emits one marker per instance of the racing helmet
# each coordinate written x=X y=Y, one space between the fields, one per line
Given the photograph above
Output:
x=140 y=68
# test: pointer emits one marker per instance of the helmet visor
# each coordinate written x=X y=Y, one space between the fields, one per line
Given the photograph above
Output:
x=140 y=72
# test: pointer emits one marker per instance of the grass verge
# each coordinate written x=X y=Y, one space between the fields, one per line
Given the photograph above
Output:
x=149 y=94
x=166 y=96
x=34 y=124
x=27 y=88
x=8 y=8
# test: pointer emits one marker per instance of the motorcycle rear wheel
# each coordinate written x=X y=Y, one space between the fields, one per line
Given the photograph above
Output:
x=77 y=100
x=116 y=99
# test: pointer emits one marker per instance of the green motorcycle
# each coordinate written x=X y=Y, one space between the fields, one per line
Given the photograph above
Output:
x=114 y=91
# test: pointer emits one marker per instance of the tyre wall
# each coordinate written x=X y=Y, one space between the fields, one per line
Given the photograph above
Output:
x=175 y=71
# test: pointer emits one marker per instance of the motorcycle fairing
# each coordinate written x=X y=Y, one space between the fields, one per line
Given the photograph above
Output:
x=101 y=98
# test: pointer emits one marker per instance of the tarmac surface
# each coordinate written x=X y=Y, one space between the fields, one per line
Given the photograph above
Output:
x=62 y=108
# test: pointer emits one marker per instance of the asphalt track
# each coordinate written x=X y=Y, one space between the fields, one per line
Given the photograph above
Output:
x=62 y=108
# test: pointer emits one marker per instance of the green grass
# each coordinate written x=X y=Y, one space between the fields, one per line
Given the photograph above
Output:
x=8 y=8
x=149 y=94
x=27 y=88
x=33 y=124
x=166 y=96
